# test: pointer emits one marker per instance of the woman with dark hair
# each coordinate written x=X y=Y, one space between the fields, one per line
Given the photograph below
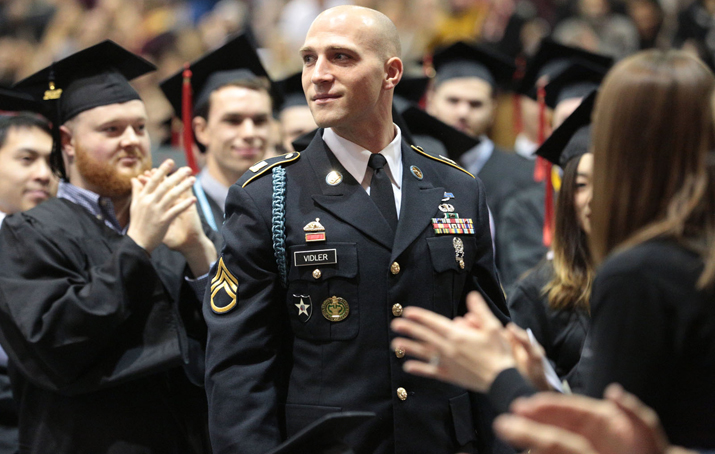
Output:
x=653 y=234
x=553 y=299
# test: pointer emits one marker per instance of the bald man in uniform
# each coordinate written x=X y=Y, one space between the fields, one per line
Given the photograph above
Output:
x=325 y=247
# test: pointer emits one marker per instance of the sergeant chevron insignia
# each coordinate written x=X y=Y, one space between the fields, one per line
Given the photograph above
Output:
x=224 y=289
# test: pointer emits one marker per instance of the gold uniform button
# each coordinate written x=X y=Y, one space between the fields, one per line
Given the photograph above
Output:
x=400 y=353
x=395 y=268
x=317 y=273
x=397 y=310
x=402 y=393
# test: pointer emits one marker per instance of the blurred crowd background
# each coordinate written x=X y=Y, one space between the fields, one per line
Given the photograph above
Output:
x=33 y=33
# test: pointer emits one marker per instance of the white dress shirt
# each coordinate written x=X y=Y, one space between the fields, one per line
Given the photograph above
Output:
x=354 y=158
x=525 y=147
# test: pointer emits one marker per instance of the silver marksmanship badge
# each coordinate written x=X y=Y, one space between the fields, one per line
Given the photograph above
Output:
x=458 y=251
x=305 y=307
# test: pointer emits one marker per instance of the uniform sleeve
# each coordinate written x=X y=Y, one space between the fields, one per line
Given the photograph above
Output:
x=72 y=327
x=627 y=341
x=244 y=343
x=484 y=274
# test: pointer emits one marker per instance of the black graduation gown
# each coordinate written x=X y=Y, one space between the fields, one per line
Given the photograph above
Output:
x=101 y=337
x=505 y=174
x=519 y=239
x=272 y=370
x=561 y=332
x=653 y=332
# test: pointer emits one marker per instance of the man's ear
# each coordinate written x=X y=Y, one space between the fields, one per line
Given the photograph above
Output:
x=67 y=142
x=393 y=71
x=199 y=124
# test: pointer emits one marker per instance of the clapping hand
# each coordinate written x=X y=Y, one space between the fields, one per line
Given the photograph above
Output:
x=552 y=423
x=467 y=352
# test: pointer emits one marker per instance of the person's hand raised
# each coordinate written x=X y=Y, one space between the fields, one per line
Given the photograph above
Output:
x=469 y=354
x=552 y=423
x=157 y=199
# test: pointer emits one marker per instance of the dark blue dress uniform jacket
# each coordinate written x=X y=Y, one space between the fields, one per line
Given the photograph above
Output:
x=271 y=373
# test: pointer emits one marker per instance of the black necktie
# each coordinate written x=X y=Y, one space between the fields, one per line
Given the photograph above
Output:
x=381 y=189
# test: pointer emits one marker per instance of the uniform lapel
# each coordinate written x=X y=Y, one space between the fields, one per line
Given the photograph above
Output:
x=347 y=200
x=420 y=199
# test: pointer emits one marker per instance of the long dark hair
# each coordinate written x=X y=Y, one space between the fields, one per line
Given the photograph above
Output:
x=652 y=132
x=573 y=269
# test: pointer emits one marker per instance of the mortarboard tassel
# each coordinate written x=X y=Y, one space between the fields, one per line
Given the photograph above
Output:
x=52 y=95
x=186 y=117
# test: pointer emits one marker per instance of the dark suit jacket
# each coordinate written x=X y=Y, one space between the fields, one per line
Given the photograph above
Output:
x=520 y=228
x=270 y=371
x=505 y=174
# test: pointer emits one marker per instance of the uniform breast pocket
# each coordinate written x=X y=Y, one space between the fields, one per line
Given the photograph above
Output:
x=452 y=258
x=322 y=297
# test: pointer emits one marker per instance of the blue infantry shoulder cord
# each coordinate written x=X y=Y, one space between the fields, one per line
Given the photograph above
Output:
x=278 y=221
x=204 y=204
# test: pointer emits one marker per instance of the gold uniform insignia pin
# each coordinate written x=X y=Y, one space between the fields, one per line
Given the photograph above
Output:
x=223 y=301
x=257 y=166
x=335 y=309
x=334 y=178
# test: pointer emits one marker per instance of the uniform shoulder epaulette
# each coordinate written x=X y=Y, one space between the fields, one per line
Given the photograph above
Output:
x=440 y=158
x=262 y=167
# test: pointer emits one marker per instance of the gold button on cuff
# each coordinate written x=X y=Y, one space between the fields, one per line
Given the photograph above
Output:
x=317 y=273
x=397 y=310
x=395 y=268
x=400 y=353
x=402 y=393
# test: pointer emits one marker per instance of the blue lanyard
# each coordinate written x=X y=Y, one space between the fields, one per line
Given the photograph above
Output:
x=204 y=204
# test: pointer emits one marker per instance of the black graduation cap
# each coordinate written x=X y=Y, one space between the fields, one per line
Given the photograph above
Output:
x=96 y=76
x=435 y=136
x=576 y=81
x=325 y=436
x=573 y=137
x=412 y=89
x=235 y=60
x=14 y=101
x=291 y=88
x=466 y=60
x=93 y=77
x=552 y=59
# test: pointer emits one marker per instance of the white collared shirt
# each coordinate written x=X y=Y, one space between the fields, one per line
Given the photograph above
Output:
x=2 y=217
x=525 y=147
x=354 y=158
x=213 y=188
